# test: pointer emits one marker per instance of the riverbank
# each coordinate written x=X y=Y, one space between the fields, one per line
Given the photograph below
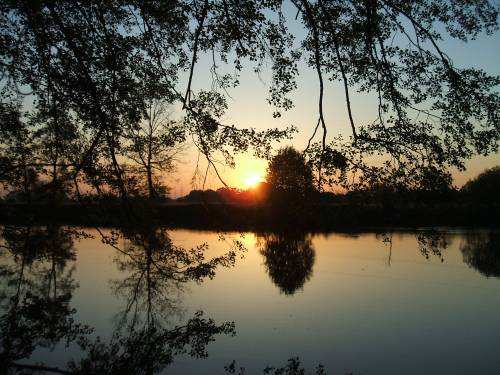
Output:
x=252 y=217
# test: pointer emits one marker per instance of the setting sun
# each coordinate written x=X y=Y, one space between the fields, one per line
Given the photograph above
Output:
x=251 y=180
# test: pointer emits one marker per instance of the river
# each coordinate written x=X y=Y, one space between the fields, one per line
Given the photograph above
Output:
x=186 y=302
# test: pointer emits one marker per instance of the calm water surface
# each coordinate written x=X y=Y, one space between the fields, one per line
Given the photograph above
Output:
x=393 y=303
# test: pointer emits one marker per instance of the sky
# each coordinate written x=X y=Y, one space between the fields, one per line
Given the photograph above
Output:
x=248 y=108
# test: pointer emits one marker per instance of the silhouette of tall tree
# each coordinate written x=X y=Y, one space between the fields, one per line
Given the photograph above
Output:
x=289 y=173
x=17 y=173
x=153 y=146
x=56 y=142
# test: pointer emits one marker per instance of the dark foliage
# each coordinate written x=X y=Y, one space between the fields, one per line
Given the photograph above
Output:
x=37 y=287
x=289 y=259
x=289 y=176
x=78 y=79
x=481 y=251
x=484 y=188
x=293 y=367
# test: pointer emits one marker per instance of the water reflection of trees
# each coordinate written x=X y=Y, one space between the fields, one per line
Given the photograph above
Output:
x=148 y=349
x=481 y=251
x=157 y=271
x=37 y=284
x=292 y=367
x=289 y=260
x=432 y=242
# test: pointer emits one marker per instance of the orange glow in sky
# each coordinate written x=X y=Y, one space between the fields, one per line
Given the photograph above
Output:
x=252 y=179
x=248 y=173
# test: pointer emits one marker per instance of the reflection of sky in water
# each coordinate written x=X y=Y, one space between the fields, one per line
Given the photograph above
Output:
x=356 y=312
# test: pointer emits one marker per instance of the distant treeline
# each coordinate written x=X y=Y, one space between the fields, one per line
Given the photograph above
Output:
x=482 y=190
x=477 y=203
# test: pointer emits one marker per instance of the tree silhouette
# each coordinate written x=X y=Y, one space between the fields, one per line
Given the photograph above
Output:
x=289 y=259
x=484 y=188
x=36 y=288
x=432 y=242
x=37 y=285
x=17 y=171
x=289 y=173
x=481 y=251
x=97 y=66
x=152 y=147
x=157 y=271
x=149 y=350
x=293 y=367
